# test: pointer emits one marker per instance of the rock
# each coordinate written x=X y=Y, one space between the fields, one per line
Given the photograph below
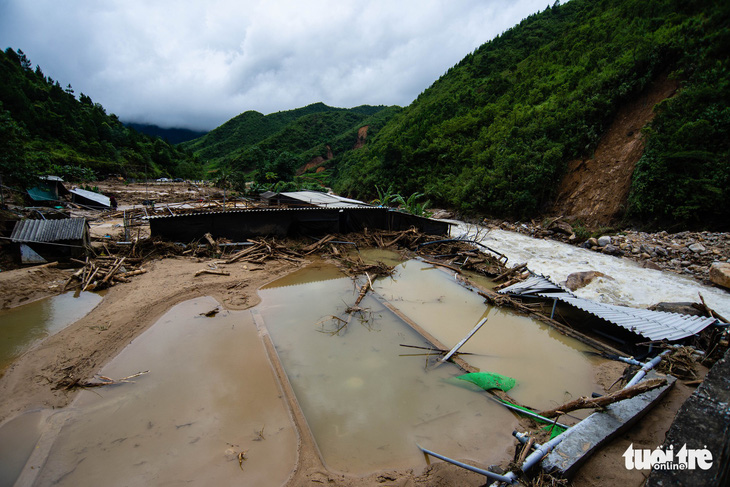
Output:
x=578 y=280
x=611 y=250
x=684 y=308
x=660 y=251
x=697 y=248
x=720 y=274
x=604 y=240
x=648 y=264
x=592 y=242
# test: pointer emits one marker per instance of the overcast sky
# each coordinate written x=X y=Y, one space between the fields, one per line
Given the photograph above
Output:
x=196 y=64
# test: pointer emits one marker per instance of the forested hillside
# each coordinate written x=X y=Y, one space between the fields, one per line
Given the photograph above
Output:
x=45 y=129
x=271 y=148
x=494 y=134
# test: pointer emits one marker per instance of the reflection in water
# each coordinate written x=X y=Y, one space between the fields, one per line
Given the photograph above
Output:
x=22 y=326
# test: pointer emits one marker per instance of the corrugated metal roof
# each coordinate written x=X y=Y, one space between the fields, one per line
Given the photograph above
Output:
x=90 y=195
x=49 y=230
x=253 y=210
x=323 y=199
x=654 y=325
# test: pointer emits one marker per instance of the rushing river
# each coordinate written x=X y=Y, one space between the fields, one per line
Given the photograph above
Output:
x=632 y=285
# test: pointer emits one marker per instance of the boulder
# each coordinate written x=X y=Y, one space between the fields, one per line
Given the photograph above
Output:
x=578 y=280
x=611 y=250
x=604 y=240
x=649 y=264
x=697 y=248
x=592 y=242
x=720 y=274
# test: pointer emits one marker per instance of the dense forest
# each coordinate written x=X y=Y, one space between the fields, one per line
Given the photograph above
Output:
x=493 y=135
x=45 y=129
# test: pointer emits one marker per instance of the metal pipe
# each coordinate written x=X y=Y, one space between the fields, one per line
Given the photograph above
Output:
x=538 y=454
x=490 y=475
x=646 y=368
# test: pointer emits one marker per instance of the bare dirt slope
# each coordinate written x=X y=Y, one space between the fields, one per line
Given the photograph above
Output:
x=595 y=190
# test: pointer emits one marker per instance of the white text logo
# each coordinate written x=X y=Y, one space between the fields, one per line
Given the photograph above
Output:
x=684 y=459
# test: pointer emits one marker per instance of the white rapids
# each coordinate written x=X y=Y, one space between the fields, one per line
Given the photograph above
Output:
x=632 y=285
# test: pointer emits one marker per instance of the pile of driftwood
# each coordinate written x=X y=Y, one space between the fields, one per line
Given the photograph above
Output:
x=103 y=272
x=259 y=251
x=385 y=239
x=466 y=256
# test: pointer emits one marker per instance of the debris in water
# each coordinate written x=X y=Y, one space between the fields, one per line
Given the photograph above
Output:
x=489 y=380
x=211 y=313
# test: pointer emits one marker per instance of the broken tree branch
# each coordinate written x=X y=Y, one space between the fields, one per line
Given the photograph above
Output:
x=603 y=401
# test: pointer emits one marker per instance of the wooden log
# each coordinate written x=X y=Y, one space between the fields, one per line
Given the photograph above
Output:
x=131 y=273
x=88 y=280
x=364 y=290
x=511 y=271
x=312 y=247
x=603 y=401
x=242 y=253
x=441 y=264
x=210 y=271
x=213 y=244
x=113 y=270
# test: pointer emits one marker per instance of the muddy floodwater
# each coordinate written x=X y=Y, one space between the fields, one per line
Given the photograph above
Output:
x=23 y=326
x=369 y=401
x=210 y=394
x=211 y=411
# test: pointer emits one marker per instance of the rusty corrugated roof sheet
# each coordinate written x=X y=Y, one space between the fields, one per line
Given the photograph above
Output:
x=48 y=230
x=654 y=325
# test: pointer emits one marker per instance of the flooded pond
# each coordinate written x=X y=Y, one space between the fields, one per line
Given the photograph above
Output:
x=23 y=326
x=369 y=401
x=211 y=392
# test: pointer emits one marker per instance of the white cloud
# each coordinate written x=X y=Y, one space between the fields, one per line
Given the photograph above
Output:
x=199 y=63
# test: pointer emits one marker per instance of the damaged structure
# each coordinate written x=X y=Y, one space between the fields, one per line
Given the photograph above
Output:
x=41 y=241
x=652 y=325
x=239 y=225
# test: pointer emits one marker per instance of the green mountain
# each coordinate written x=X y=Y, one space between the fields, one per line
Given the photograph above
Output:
x=45 y=129
x=274 y=148
x=494 y=134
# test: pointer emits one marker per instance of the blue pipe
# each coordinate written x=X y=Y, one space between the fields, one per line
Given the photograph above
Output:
x=486 y=473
